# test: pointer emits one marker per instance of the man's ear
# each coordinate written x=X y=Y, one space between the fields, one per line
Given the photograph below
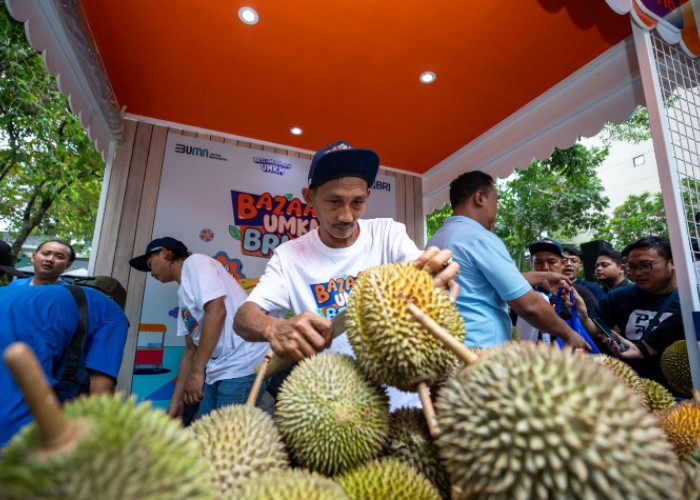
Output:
x=478 y=198
x=307 y=194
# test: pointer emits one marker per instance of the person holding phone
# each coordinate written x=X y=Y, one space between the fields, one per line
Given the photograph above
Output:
x=646 y=313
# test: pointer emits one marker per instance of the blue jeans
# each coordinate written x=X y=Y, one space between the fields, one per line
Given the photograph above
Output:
x=228 y=392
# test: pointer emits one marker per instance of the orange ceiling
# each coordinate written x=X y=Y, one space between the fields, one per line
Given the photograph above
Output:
x=346 y=68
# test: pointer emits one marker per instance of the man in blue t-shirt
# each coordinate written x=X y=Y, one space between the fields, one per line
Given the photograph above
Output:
x=50 y=260
x=46 y=318
x=488 y=279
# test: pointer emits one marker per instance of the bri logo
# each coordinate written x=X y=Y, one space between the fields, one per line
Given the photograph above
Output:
x=197 y=151
x=381 y=186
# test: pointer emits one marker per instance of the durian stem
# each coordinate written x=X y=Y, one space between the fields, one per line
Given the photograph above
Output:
x=54 y=429
x=468 y=357
x=259 y=377
x=428 y=410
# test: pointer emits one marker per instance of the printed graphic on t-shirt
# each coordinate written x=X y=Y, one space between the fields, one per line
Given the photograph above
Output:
x=332 y=296
x=189 y=319
x=638 y=321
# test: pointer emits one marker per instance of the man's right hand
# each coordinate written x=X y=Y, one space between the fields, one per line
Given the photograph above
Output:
x=575 y=341
x=176 y=408
x=301 y=336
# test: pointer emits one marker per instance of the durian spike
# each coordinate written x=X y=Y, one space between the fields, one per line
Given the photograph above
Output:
x=467 y=356
x=260 y=372
x=428 y=410
x=55 y=431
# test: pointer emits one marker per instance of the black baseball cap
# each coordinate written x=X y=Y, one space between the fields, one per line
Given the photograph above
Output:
x=547 y=245
x=340 y=159
x=6 y=263
x=155 y=245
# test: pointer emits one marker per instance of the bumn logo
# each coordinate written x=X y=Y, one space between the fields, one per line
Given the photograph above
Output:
x=191 y=150
x=196 y=151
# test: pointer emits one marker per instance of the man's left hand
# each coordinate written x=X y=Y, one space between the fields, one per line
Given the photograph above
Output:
x=439 y=263
x=194 y=387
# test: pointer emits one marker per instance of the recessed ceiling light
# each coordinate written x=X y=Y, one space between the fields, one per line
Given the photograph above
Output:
x=296 y=131
x=427 y=77
x=247 y=15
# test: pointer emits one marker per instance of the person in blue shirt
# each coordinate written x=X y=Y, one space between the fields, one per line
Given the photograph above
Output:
x=572 y=266
x=488 y=279
x=50 y=260
x=46 y=318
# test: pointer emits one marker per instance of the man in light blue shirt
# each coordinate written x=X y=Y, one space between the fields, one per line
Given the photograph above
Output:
x=489 y=281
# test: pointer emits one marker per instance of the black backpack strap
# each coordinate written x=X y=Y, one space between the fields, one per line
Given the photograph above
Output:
x=76 y=345
x=655 y=320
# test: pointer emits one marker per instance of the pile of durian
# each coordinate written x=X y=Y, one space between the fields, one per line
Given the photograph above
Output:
x=518 y=421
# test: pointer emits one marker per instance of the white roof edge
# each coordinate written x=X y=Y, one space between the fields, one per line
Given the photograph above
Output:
x=609 y=88
x=46 y=32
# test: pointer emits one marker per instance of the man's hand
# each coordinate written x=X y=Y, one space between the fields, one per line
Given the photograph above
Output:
x=548 y=280
x=176 y=408
x=439 y=263
x=301 y=336
x=575 y=341
x=194 y=387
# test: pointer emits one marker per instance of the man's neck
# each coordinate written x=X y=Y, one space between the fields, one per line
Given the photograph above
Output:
x=44 y=281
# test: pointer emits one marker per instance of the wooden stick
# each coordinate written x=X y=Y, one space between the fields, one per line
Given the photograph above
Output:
x=467 y=356
x=55 y=431
x=428 y=410
x=260 y=371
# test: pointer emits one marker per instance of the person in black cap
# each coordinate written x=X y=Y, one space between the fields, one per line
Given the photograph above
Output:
x=217 y=368
x=310 y=277
x=7 y=263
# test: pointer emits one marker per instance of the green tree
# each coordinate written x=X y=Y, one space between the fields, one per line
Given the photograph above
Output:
x=640 y=215
x=50 y=172
x=635 y=129
x=560 y=197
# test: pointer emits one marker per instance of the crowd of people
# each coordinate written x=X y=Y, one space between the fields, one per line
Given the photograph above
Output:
x=227 y=332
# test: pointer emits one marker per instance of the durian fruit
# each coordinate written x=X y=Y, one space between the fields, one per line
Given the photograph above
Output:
x=126 y=451
x=239 y=442
x=621 y=370
x=391 y=346
x=531 y=421
x=675 y=365
x=290 y=484
x=691 y=481
x=656 y=396
x=682 y=426
x=387 y=478
x=409 y=441
x=330 y=417
x=514 y=334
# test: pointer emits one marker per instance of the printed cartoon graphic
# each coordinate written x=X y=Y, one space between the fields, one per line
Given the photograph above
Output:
x=332 y=297
x=206 y=235
x=264 y=221
x=233 y=266
x=150 y=348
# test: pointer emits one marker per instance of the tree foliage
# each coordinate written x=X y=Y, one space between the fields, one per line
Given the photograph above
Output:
x=635 y=129
x=50 y=172
x=640 y=215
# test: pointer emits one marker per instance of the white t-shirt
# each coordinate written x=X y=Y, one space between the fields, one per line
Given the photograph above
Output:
x=306 y=275
x=204 y=279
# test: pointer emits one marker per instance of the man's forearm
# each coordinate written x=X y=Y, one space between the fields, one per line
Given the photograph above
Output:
x=251 y=322
x=184 y=370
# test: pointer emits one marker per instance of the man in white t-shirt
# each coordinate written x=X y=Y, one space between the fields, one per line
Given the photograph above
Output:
x=312 y=276
x=217 y=367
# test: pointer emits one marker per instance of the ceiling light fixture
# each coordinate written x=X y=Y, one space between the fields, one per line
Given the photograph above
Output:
x=248 y=15
x=296 y=131
x=427 y=77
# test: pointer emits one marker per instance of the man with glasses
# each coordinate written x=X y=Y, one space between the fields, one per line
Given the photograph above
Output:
x=646 y=313
x=572 y=266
